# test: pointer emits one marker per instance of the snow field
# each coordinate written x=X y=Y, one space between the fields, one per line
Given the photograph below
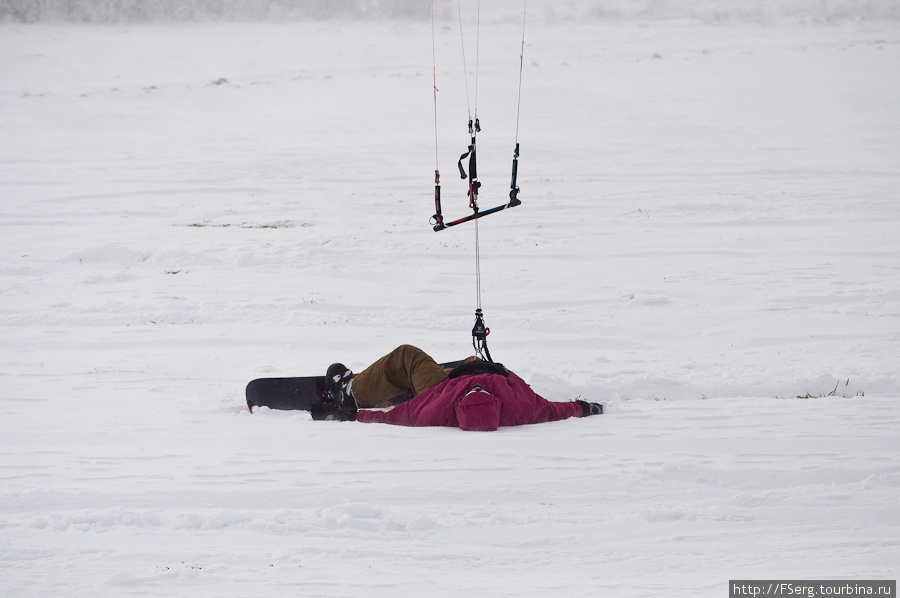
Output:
x=683 y=493
x=709 y=230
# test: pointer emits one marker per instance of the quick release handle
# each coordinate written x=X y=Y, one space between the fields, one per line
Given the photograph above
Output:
x=480 y=331
x=479 y=336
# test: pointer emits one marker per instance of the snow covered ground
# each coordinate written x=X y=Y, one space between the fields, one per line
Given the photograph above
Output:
x=710 y=229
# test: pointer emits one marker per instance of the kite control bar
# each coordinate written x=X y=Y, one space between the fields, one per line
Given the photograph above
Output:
x=474 y=185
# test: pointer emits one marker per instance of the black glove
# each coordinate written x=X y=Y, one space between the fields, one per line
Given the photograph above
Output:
x=327 y=410
x=590 y=408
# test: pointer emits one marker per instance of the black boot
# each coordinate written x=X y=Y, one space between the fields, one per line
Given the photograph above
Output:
x=338 y=402
x=337 y=385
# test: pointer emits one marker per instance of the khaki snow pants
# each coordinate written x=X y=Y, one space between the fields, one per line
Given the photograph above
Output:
x=405 y=368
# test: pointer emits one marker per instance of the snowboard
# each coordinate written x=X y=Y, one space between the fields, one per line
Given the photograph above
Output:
x=301 y=393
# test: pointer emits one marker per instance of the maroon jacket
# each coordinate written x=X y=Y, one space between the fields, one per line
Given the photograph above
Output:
x=506 y=402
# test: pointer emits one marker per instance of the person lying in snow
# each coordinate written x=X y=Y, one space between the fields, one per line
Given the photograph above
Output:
x=476 y=395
